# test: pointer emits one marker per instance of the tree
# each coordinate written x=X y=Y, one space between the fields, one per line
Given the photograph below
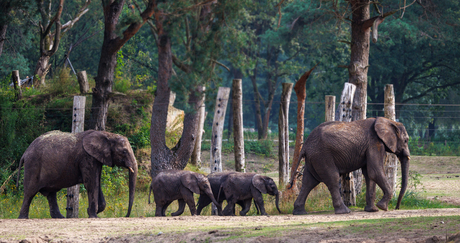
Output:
x=116 y=34
x=202 y=36
x=49 y=40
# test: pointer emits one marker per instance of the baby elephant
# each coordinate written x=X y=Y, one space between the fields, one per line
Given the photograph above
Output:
x=216 y=180
x=242 y=187
x=179 y=185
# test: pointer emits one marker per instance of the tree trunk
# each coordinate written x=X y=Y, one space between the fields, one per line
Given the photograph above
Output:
x=41 y=70
x=391 y=161
x=196 y=154
x=111 y=45
x=301 y=93
x=3 y=29
x=283 y=131
x=238 y=136
x=218 y=128
x=359 y=63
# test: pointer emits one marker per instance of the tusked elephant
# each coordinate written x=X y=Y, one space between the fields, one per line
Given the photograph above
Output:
x=216 y=180
x=171 y=185
x=243 y=187
x=57 y=160
x=336 y=148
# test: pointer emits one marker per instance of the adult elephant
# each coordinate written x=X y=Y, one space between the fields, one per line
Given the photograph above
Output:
x=216 y=180
x=243 y=187
x=335 y=148
x=180 y=185
x=57 y=160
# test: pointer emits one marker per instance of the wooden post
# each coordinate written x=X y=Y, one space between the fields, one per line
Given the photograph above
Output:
x=78 y=121
x=283 y=130
x=17 y=84
x=238 y=138
x=83 y=81
x=217 y=131
x=301 y=93
x=329 y=114
x=345 y=114
x=391 y=161
x=195 y=159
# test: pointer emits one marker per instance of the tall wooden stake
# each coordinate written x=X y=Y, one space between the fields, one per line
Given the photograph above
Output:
x=78 y=120
x=196 y=154
x=329 y=114
x=238 y=138
x=217 y=131
x=283 y=130
x=391 y=161
x=345 y=115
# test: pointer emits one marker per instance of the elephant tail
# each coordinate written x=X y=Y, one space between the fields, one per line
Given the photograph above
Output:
x=19 y=171
x=294 y=170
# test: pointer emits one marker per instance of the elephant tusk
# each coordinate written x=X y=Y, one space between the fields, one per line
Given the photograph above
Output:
x=408 y=157
x=131 y=169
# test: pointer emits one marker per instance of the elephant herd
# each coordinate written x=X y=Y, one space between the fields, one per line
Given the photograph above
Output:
x=57 y=160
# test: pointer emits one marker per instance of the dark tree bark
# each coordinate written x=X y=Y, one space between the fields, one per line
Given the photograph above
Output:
x=3 y=29
x=111 y=45
x=162 y=157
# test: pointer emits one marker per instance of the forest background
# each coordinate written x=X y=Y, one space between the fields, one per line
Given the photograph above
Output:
x=265 y=43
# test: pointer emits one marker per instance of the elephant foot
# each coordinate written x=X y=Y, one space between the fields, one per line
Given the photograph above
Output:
x=371 y=209
x=342 y=210
x=176 y=214
x=383 y=205
x=299 y=211
x=56 y=215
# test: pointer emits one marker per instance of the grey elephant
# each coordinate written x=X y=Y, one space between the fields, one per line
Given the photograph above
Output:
x=336 y=148
x=243 y=187
x=180 y=185
x=216 y=180
x=57 y=160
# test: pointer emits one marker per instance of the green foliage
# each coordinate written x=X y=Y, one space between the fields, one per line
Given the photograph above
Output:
x=114 y=181
x=262 y=147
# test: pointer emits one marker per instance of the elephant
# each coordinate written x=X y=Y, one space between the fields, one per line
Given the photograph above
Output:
x=243 y=187
x=171 y=185
x=57 y=160
x=335 y=148
x=216 y=180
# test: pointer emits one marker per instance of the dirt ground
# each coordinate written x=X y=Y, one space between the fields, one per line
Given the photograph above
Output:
x=440 y=180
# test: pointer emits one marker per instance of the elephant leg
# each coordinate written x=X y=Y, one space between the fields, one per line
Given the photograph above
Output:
x=54 y=208
x=370 y=193
x=308 y=183
x=191 y=203
x=229 y=210
x=181 y=208
x=334 y=188
x=375 y=172
x=101 y=201
x=246 y=205
x=203 y=201
x=24 y=212
x=259 y=200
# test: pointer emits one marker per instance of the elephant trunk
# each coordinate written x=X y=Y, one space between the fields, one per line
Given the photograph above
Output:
x=209 y=193
x=277 y=200
x=405 y=175
x=132 y=186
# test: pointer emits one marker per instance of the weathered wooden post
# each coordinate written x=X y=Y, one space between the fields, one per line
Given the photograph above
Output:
x=78 y=121
x=283 y=131
x=218 y=128
x=391 y=161
x=83 y=81
x=345 y=115
x=217 y=131
x=329 y=114
x=196 y=154
x=17 y=84
x=238 y=138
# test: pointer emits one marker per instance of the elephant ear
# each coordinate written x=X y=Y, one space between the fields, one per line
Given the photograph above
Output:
x=258 y=182
x=97 y=145
x=191 y=180
x=388 y=132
